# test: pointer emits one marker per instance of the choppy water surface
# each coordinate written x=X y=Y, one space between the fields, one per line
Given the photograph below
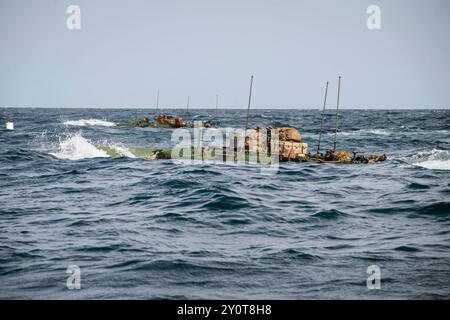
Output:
x=155 y=229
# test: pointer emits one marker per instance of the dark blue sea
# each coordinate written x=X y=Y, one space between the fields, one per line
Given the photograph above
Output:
x=156 y=229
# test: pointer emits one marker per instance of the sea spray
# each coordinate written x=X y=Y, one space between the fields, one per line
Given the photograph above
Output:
x=76 y=147
x=436 y=159
x=89 y=122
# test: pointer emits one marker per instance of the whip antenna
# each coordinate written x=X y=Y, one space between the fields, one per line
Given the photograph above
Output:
x=249 y=101
x=321 y=121
x=337 y=115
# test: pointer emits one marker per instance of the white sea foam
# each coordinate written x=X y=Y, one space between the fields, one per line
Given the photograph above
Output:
x=89 y=122
x=435 y=164
x=435 y=159
x=379 y=132
x=76 y=147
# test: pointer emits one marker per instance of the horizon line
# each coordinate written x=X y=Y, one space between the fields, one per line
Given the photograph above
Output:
x=229 y=108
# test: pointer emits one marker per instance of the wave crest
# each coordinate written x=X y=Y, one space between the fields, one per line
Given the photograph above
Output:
x=89 y=122
x=435 y=159
x=76 y=147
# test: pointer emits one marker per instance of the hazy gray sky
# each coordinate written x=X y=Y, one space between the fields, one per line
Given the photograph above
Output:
x=126 y=50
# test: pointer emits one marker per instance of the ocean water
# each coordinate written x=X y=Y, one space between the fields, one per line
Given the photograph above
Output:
x=156 y=229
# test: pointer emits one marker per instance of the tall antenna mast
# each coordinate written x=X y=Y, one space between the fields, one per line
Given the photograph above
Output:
x=249 y=101
x=187 y=106
x=217 y=103
x=337 y=115
x=321 y=121
x=157 y=101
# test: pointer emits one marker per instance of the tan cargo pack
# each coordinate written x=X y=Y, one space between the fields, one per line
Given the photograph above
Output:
x=289 y=134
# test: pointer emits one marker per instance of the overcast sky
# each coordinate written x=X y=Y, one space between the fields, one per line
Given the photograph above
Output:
x=127 y=50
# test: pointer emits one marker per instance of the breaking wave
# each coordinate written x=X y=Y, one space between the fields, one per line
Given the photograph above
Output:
x=386 y=132
x=76 y=147
x=435 y=159
x=379 y=132
x=89 y=122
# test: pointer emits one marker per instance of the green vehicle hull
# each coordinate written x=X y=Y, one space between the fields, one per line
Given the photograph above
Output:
x=230 y=156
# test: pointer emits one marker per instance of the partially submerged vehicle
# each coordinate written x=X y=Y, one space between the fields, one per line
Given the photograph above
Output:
x=162 y=121
x=256 y=145
x=257 y=148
